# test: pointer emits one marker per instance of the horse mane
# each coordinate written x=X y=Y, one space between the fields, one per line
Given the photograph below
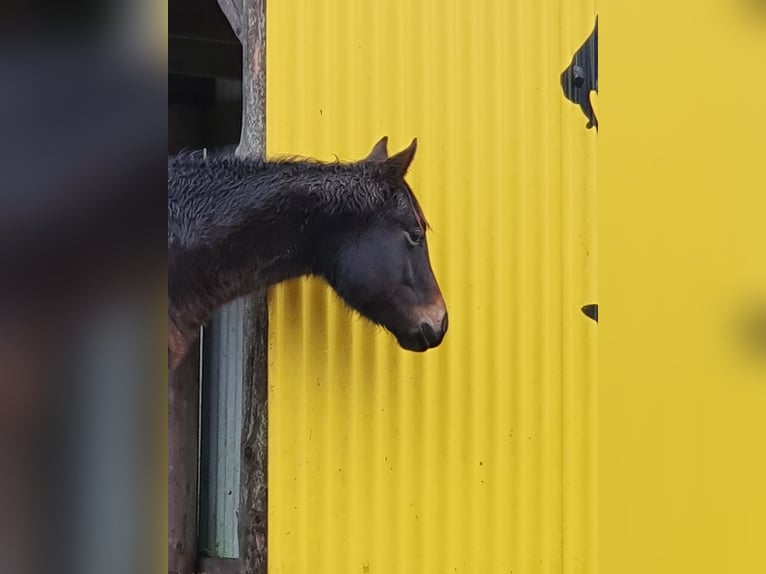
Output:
x=368 y=196
x=413 y=200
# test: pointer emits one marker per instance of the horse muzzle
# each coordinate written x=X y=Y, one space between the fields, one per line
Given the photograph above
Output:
x=434 y=322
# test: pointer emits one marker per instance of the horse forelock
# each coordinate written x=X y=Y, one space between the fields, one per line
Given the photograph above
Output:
x=395 y=185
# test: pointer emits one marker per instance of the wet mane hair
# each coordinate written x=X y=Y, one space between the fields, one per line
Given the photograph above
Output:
x=204 y=198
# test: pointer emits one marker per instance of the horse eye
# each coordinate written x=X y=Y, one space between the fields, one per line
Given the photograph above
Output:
x=414 y=238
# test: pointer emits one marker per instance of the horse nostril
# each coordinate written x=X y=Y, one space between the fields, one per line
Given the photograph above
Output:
x=429 y=334
x=445 y=323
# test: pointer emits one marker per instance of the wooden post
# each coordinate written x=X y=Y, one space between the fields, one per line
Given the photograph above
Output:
x=253 y=493
x=252 y=142
x=183 y=416
x=248 y=20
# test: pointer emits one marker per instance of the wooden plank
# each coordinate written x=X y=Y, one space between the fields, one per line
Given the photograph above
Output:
x=209 y=565
x=253 y=511
x=183 y=414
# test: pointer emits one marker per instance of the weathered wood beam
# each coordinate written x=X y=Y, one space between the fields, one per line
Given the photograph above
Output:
x=252 y=142
x=248 y=20
x=218 y=566
x=253 y=494
x=183 y=416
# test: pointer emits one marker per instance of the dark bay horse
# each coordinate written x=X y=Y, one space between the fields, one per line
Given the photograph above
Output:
x=237 y=225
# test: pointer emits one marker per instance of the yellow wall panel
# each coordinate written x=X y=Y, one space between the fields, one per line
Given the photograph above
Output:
x=682 y=229
x=478 y=456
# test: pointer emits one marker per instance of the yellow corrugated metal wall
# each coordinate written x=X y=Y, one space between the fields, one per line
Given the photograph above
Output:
x=478 y=456
x=682 y=279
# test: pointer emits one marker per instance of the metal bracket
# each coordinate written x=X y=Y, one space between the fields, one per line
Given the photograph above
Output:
x=581 y=77
x=591 y=311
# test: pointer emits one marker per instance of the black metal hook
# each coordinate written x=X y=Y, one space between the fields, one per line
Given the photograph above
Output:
x=591 y=311
x=581 y=77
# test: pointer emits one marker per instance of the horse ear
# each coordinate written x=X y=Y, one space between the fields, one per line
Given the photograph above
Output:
x=379 y=151
x=403 y=159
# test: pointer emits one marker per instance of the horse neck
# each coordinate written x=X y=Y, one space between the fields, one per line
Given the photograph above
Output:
x=258 y=225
